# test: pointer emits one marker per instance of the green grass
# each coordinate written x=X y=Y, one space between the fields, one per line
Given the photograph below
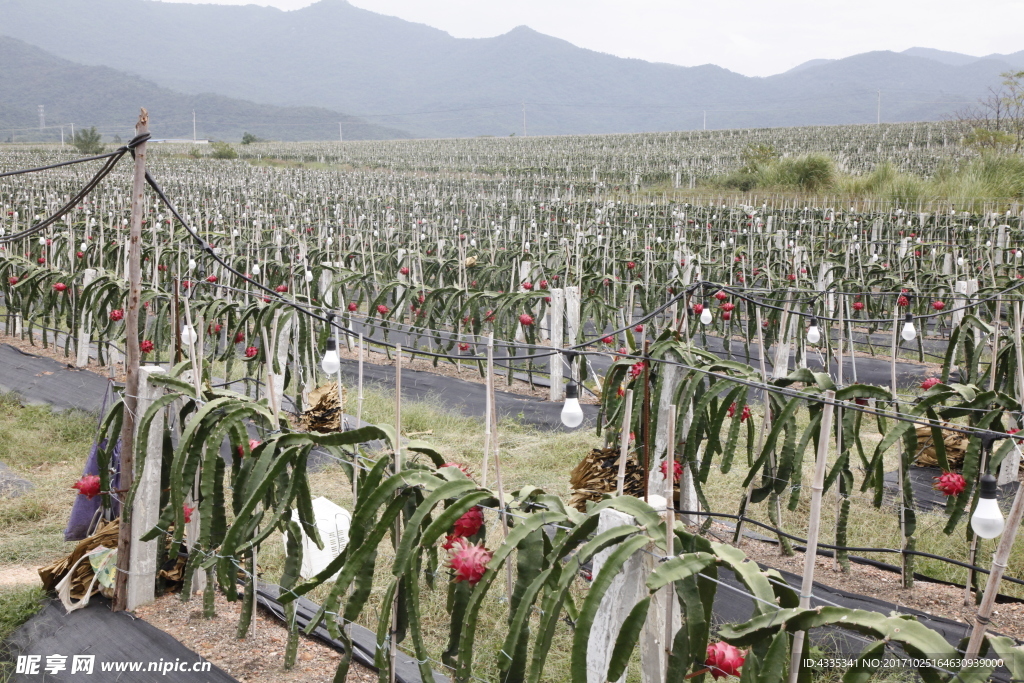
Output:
x=17 y=605
x=48 y=449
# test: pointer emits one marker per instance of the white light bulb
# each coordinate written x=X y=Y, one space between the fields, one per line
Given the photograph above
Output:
x=235 y=233
x=331 y=363
x=813 y=333
x=960 y=261
x=278 y=239
x=188 y=335
x=572 y=413
x=472 y=242
x=705 y=316
x=83 y=246
x=42 y=241
x=309 y=276
x=909 y=331
x=191 y=265
x=988 y=243
x=255 y=269
x=987 y=520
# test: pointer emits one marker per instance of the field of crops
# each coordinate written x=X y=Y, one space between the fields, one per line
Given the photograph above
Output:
x=718 y=330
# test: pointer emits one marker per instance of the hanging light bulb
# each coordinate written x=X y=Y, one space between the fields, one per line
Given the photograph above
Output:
x=472 y=242
x=255 y=269
x=909 y=331
x=960 y=261
x=42 y=241
x=278 y=239
x=987 y=520
x=83 y=246
x=705 y=316
x=191 y=265
x=188 y=335
x=309 y=276
x=331 y=363
x=813 y=333
x=235 y=233
x=572 y=413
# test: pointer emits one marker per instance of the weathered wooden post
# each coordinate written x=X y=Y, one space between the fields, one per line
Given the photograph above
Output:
x=131 y=389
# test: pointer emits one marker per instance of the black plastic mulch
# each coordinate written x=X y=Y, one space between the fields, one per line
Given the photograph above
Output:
x=927 y=499
x=112 y=637
x=44 y=380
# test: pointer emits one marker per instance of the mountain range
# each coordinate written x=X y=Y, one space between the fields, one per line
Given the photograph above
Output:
x=411 y=77
x=109 y=99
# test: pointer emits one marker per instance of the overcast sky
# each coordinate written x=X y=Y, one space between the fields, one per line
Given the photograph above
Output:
x=753 y=38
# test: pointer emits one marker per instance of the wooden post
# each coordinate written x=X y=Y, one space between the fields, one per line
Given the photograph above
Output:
x=146 y=507
x=131 y=389
x=488 y=407
x=813 y=525
x=359 y=398
x=999 y=560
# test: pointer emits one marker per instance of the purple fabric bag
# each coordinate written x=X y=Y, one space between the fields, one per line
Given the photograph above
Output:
x=83 y=512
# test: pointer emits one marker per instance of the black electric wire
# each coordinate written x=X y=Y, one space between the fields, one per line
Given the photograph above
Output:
x=792 y=537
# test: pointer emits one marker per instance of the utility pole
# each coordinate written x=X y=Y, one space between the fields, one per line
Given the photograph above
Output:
x=131 y=347
x=341 y=138
x=42 y=117
x=524 y=119
x=878 y=120
x=705 y=119
x=72 y=133
x=193 y=125
x=62 y=137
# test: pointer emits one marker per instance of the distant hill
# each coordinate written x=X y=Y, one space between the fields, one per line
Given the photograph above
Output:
x=420 y=79
x=110 y=100
x=1014 y=60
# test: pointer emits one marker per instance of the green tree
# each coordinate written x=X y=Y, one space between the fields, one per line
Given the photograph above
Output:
x=88 y=141
x=248 y=138
x=222 y=150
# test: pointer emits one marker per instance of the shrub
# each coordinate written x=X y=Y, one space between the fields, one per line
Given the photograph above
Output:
x=222 y=150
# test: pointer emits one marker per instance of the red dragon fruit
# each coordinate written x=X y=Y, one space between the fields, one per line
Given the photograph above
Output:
x=950 y=483
x=469 y=561
x=724 y=660
x=469 y=523
x=88 y=486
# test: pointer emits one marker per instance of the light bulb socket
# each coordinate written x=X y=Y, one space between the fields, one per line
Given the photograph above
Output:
x=814 y=321
x=988 y=486
x=572 y=391
x=908 y=318
x=332 y=345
